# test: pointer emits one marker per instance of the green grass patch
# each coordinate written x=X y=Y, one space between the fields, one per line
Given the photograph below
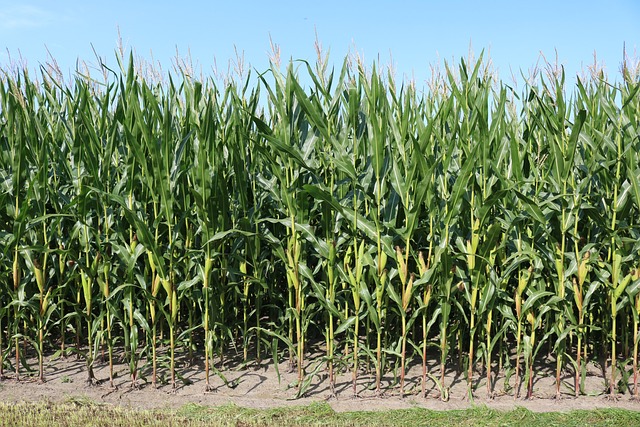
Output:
x=87 y=413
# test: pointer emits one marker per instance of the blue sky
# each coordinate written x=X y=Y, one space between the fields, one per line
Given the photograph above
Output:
x=416 y=34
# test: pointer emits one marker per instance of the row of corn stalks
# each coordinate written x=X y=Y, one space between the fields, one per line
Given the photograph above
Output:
x=155 y=220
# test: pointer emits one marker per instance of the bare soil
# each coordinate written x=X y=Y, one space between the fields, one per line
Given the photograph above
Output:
x=258 y=386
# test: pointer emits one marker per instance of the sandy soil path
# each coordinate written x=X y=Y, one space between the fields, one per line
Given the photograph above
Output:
x=257 y=386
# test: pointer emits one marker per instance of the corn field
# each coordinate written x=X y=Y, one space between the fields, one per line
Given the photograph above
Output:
x=354 y=224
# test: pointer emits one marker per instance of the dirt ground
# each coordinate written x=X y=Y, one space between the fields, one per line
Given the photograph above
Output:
x=257 y=386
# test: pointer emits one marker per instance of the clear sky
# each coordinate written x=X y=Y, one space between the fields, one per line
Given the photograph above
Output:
x=416 y=34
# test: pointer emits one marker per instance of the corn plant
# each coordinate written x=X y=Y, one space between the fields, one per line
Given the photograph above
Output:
x=172 y=217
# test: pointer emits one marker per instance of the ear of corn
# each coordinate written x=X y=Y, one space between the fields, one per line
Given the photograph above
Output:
x=359 y=211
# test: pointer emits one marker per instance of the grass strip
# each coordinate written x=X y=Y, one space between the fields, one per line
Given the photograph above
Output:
x=87 y=413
